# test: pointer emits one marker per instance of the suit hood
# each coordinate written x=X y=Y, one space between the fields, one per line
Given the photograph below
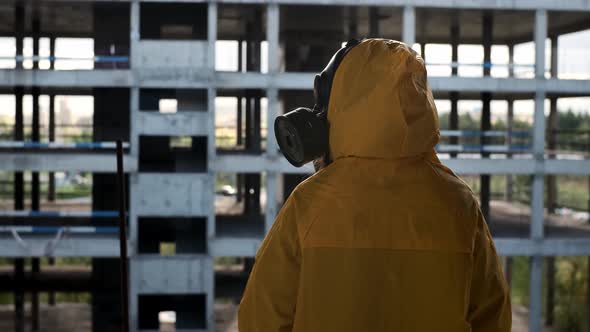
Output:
x=380 y=104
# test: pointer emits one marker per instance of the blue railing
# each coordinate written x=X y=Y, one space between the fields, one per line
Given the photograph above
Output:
x=57 y=229
x=59 y=145
x=64 y=214
x=60 y=214
x=96 y=58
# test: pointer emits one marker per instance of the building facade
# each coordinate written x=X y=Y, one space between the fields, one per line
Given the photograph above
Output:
x=147 y=53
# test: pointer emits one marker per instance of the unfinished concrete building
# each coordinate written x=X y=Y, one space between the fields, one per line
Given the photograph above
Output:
x=149 y=55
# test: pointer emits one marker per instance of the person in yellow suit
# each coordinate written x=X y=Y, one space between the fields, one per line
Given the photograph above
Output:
x=385 y=237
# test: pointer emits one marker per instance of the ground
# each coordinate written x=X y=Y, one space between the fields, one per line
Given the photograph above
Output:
x=76 y=317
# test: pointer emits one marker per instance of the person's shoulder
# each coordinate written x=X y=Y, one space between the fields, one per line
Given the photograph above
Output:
x=316 y=183
x=458 y=196
x=311 y=195
x=454 y=188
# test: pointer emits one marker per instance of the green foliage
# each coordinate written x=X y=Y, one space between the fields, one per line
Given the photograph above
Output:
x=570 y=294
x=574 y=121
x=520 y=280
x=570 y=306
x=573 y=192
x=6 y=298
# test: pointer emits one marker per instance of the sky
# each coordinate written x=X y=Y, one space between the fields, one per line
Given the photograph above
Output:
x=573 y=63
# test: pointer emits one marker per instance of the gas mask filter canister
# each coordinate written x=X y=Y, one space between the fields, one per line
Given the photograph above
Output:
x=302 y=134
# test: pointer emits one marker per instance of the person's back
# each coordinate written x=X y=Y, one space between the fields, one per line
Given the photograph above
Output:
x=385 y=238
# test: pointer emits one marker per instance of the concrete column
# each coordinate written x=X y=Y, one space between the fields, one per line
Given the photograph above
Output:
x=511 y=60
x=551 y=132
x=134 y=90
x=485 y=178
x=535 y=288
x=487 y=33
x=35 y=132
x=239 y=120
x=51 y=124
x=509 y=122
x=35 y=181
x=19 y=295
x=409 y=25
x=423 y=51
x=271 y=200
x=134 y=34
x=51 y=53
x=272 y=36
x=272 y=94
x=550 y=298
x=212 y=14
x=537 y=208
x=540 y=37
x=538 y=152
x=273 y=109
x=554 y=56
x=256 y=126
x=211 y=92
x=552 y=146
x=134 y=56
x=211 y=34
x=588 y=283
x=551 y=187
x=248 y=145
x=454 y=118
x=352 y=23
x=374 y=22
x=455 y=34
x=454 y=96
x=211 y=155
x=539 y=125
x=19 y=199
x=509 y=126
x=486 y=99
x=19 y=32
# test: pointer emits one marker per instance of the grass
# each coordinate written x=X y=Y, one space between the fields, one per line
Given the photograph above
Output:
x=573 y=191
x=570 y=306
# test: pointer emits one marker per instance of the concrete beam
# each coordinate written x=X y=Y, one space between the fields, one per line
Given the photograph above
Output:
x=193 y=123
x=85 y=245
x=486 y=4
x=104 y=163
x=246 y=247
x=289 y=80
x=573 y=167
x=490 y=166
x=546 y=247
x=171 y=194
x=83 y=162
x=178 y=274
x=304 y=81
x=256 y=164
x=261 y=163
x=65 y=78
x=71 y=245
x=234 y=247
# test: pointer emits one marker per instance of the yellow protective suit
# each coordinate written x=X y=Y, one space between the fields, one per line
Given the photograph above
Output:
x=385 y=238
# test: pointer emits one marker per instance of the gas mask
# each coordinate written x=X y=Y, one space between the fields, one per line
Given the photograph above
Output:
x=302 y=134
